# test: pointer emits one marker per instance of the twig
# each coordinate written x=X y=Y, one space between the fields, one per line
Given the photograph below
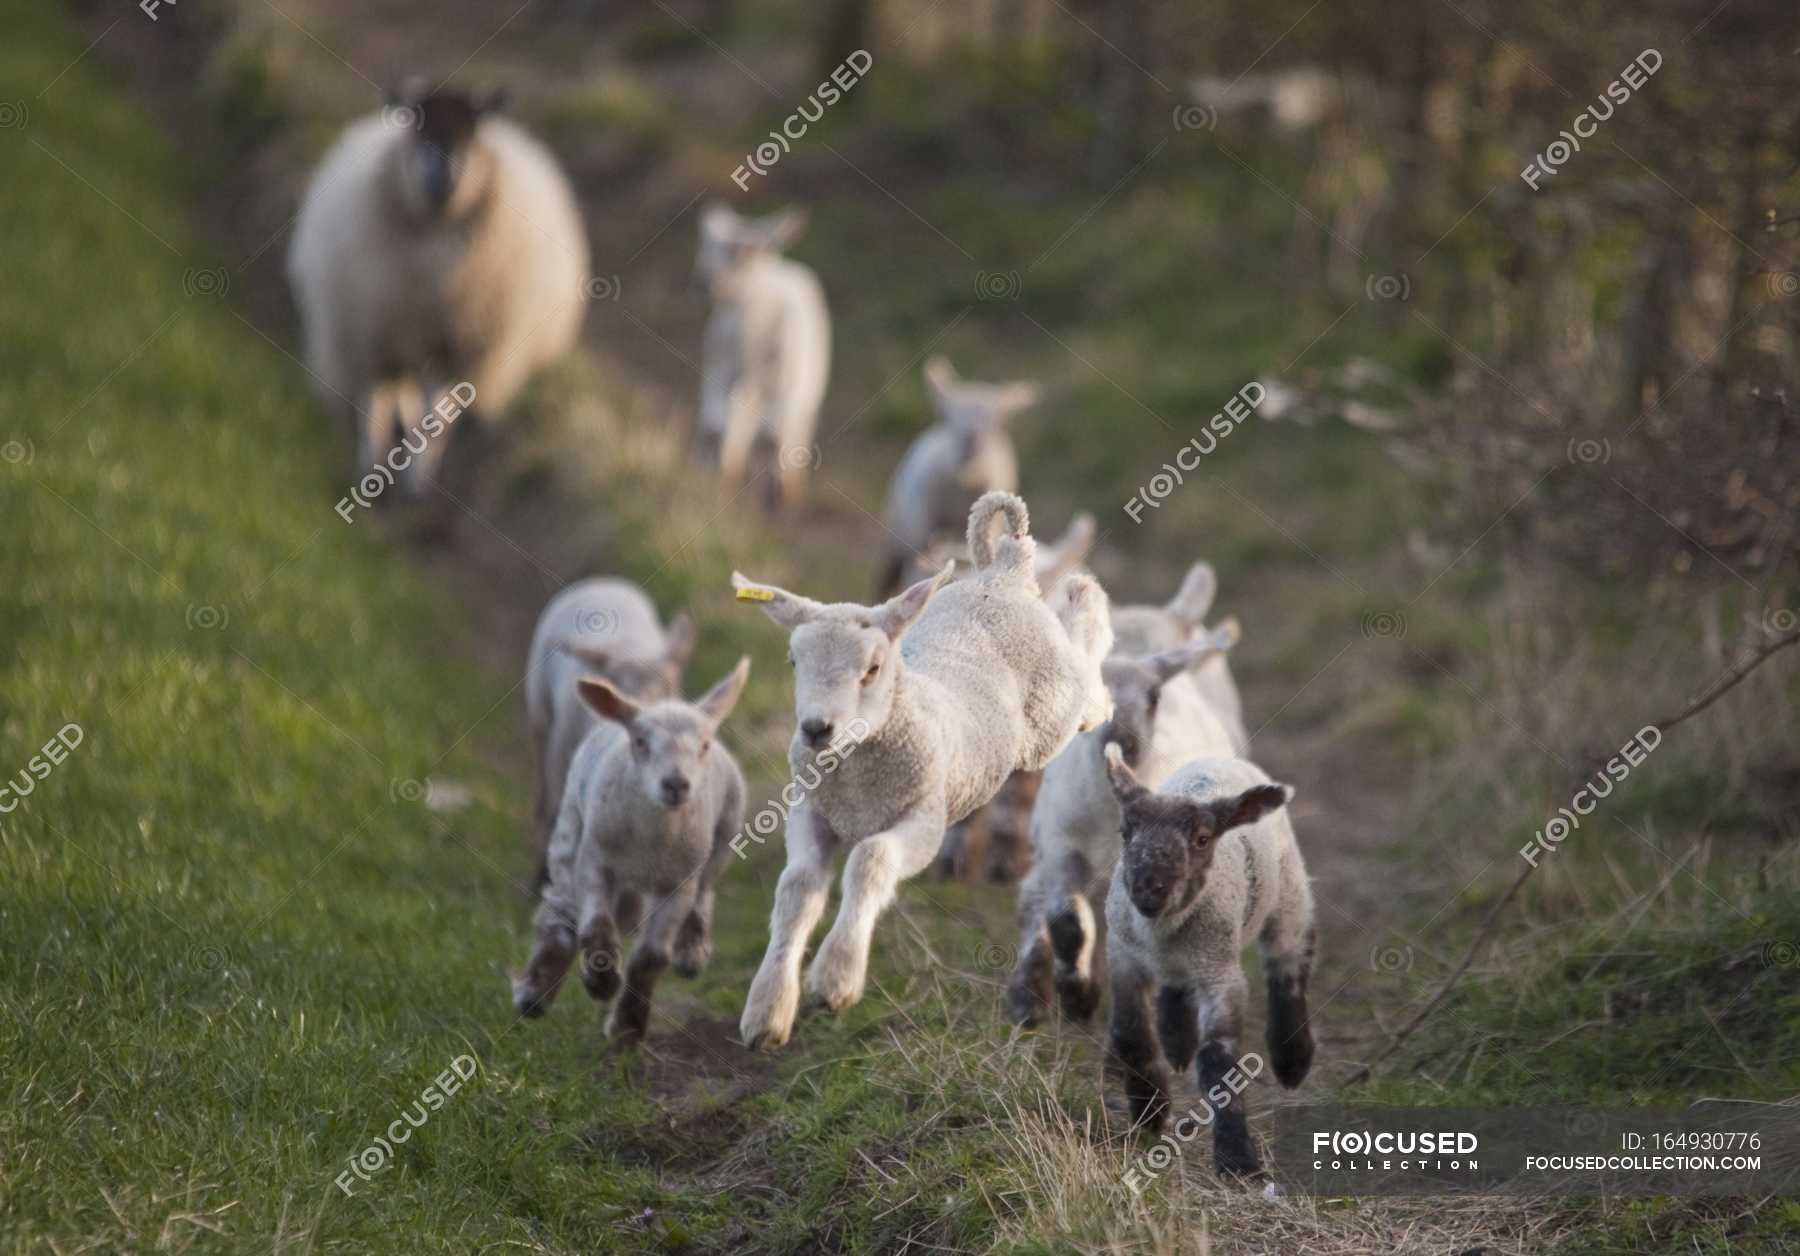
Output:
x=1705 y=699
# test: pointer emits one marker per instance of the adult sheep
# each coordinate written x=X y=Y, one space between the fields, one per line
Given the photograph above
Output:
x=438 y=246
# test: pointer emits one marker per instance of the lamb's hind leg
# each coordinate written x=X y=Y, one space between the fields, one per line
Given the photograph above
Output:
x=1288 y=959
x=1222 y=1003
x=1028 y=991
x=774 y=996
x=630 y=1016
x=1073 y=932
x=872 y=874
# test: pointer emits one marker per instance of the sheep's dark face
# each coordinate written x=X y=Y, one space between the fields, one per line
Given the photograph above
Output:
x=445 y=169
x=1169 y=840
x=731 y=245
x=670 y=742
x=1168 y=851
x=1136 y=693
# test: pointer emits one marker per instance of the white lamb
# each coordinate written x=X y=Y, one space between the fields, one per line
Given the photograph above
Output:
x=1210 y=862
x=644 y=829
x=602 y=627
x=767 y=352
x=438 y=244
x=1161 y=720
x=966 y=453
x=957 y=691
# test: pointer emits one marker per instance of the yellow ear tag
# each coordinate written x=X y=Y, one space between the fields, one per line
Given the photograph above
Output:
x=748 y=594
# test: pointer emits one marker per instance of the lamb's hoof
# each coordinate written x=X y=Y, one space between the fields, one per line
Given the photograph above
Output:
x=626 y=1031
x=1024 y=1008
x=600 y=978
x=1078 y=997
x=768 y=1018
x=530 y=1002
x=767 y=1039
x=1237 y=1163
x=690 y=960
x=834 y=981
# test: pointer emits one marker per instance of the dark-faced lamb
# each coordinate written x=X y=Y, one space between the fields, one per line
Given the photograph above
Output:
x=966 y=453
x=1148 y=629
x=438 y=245
x=956 y=691
x=644 y=829
x=767 y=350
x=1210 y=863
x=604 y=627
x=1160 y=720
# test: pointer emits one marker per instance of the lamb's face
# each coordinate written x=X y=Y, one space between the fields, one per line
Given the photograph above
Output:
x=844 y=668
x=732 y=245
x=1169 y=840
x=670 y=744
x=1136 y=693
x=975 y=413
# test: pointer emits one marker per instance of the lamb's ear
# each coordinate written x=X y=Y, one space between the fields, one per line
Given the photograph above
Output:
x=1124 y=781
x=1195 y=596
x=1076 y=543
x=723 y=696
x=896 y=615
x=718 y=219
x=1248 y=807
x=790 y=610
x=1017 y=396
x=784 y=228
x=1171 y=663
x=678 y=640
x=940 y=377
x=606 y=701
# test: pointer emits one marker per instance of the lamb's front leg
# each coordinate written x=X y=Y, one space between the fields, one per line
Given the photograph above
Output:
x=630 y=1016
x=1222 y=1002
x=774 y=997
x=536 y=988
x=1132 y=1060
x=872 y=874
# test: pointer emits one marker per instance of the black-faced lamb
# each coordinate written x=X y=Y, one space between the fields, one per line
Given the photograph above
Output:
x=604 y=627
x=438 y=245
x=644 y=829
x=957 y=690
x=767 y=350
x=966 y=453
x=1161 y=721
x=1149 y=629
x=1210 y=862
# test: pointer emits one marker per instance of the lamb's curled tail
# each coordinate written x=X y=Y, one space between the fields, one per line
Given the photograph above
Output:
x=1014 y=549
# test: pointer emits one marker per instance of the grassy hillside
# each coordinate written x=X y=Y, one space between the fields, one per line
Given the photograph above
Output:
x=246 y=921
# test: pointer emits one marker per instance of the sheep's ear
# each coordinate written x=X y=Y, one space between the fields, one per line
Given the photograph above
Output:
x=790 y=610
x=1248 y=807
x=1125 y=785
x=940 y=377
x=606 y=701
x=1171 y=663
x=1076 y=543
x=678 y=640
x=1017 y=396
x=786 y=227
x=896 y=615
x=1195 y=596
x=723 y=696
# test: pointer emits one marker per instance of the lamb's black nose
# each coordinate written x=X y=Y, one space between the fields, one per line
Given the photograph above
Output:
x=818 y=732
x=674 y=790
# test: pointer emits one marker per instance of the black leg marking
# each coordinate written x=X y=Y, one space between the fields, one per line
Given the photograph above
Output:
x=1028 y=993
x=1234 y=1155
x=1078 y=993
x=1290 y=1032
x=1132 y=1058
x=631 y=1015
x=1178 y=1025
x=534 y=992
x=600 y=958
